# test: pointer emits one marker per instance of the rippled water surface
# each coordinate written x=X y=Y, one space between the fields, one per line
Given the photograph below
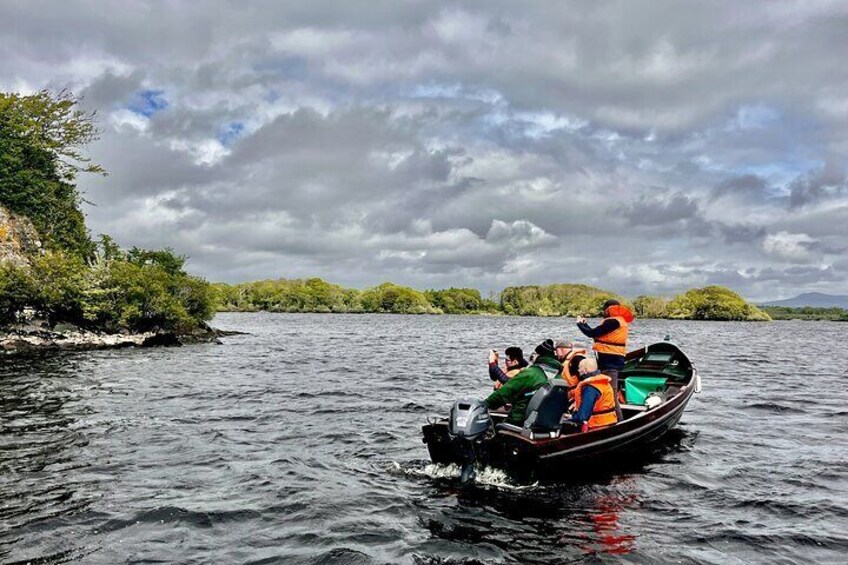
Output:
x=300 y=443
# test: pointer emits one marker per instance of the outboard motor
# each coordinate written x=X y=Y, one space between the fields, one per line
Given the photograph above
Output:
x=469 y=421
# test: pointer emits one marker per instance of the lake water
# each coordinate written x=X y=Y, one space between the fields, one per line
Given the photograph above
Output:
x=300 y=443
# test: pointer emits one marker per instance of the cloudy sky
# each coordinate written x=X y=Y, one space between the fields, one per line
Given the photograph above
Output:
x=641 y=147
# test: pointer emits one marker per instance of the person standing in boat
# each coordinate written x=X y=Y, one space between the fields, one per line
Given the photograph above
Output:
x=610 y=338
x=519 y=389
x=515 y=362
x=594 y=399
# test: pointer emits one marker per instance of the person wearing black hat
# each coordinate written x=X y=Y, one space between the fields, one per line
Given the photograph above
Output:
x=519 y=389
x=610 y=338
x=610 y=335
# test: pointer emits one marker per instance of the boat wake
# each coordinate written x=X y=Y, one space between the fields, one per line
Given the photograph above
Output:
x=485 y=477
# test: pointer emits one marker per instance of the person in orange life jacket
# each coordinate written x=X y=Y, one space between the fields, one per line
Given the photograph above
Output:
x=610 y=335
x=610 y=338
x=570 y=356
x=514 y=363
x=594 y=400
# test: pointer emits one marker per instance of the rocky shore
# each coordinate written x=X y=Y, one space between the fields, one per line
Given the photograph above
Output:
x=31 y=337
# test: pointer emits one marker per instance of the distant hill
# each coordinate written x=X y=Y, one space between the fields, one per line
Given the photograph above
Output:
x=813 y=299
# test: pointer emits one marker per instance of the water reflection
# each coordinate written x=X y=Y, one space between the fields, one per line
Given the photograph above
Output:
x=608 y=536
x=541 y=524
x=583 y=512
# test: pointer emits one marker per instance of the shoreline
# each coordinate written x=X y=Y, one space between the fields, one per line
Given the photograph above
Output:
x=483 y=314
x=27 y=338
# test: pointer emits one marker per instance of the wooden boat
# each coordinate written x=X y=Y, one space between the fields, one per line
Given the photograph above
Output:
x=525 y=450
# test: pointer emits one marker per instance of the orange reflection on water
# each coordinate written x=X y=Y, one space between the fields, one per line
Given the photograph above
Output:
x=603 y=534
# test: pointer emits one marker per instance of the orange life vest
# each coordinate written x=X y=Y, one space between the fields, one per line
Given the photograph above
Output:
x=571 y=380
x=603 y=413
x=614 y=342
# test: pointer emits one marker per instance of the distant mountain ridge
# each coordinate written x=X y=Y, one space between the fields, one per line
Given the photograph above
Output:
x=813 y=299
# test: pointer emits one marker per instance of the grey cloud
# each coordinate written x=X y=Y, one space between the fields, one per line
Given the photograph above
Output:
x=462 y=142
x=801 y=275
x=110 y=90
x=660 y=210
x=828 y=181
x=746 y=185
x=741 y=233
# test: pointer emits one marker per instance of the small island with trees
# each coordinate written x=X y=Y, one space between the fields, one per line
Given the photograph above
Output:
x=317 y=295
x=60 y=287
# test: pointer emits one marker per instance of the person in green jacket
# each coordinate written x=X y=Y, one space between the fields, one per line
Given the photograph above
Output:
x=520 y=388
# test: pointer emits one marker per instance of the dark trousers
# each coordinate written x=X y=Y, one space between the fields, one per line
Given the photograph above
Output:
x=613 y=375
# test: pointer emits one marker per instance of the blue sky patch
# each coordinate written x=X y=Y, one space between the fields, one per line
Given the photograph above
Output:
x=148 y=102
x=230 y=132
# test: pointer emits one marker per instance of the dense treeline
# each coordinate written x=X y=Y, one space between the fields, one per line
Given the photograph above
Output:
x=74 y=280
x=554 y=300
x=316 y=295
x=806 y=313
x=708 y=303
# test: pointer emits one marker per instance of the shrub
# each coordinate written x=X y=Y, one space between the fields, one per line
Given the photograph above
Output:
x=459 y=301
x=555 y=300
x=146 y=291
x=17 y=290
x=651 y=307
x=714 y=303
x=391 y=298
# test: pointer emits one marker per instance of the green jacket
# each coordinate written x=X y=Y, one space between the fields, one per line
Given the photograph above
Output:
x=519 y=389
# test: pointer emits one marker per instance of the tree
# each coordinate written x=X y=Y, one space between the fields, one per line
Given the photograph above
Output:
x=650 y=306
x=714 y=303
x=41 y=141
x=555 y=300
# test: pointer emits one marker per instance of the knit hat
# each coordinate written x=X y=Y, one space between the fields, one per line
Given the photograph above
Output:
x=545 y=348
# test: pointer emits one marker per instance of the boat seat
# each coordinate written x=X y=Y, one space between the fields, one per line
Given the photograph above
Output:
x=546 y=408
x=544 y=412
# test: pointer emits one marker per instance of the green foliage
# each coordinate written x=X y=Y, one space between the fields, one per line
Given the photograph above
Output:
x=806 y=313
x=651 y=307
x=17 y=289
x=144 y=290
x=391 y=298
x=714 y=303
x=297 y=295
x=316 y=295
x=460 y=301
x=112 y=294
x=165 y=259
x=41 y=136
x=555 y=300
x=61 y=281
